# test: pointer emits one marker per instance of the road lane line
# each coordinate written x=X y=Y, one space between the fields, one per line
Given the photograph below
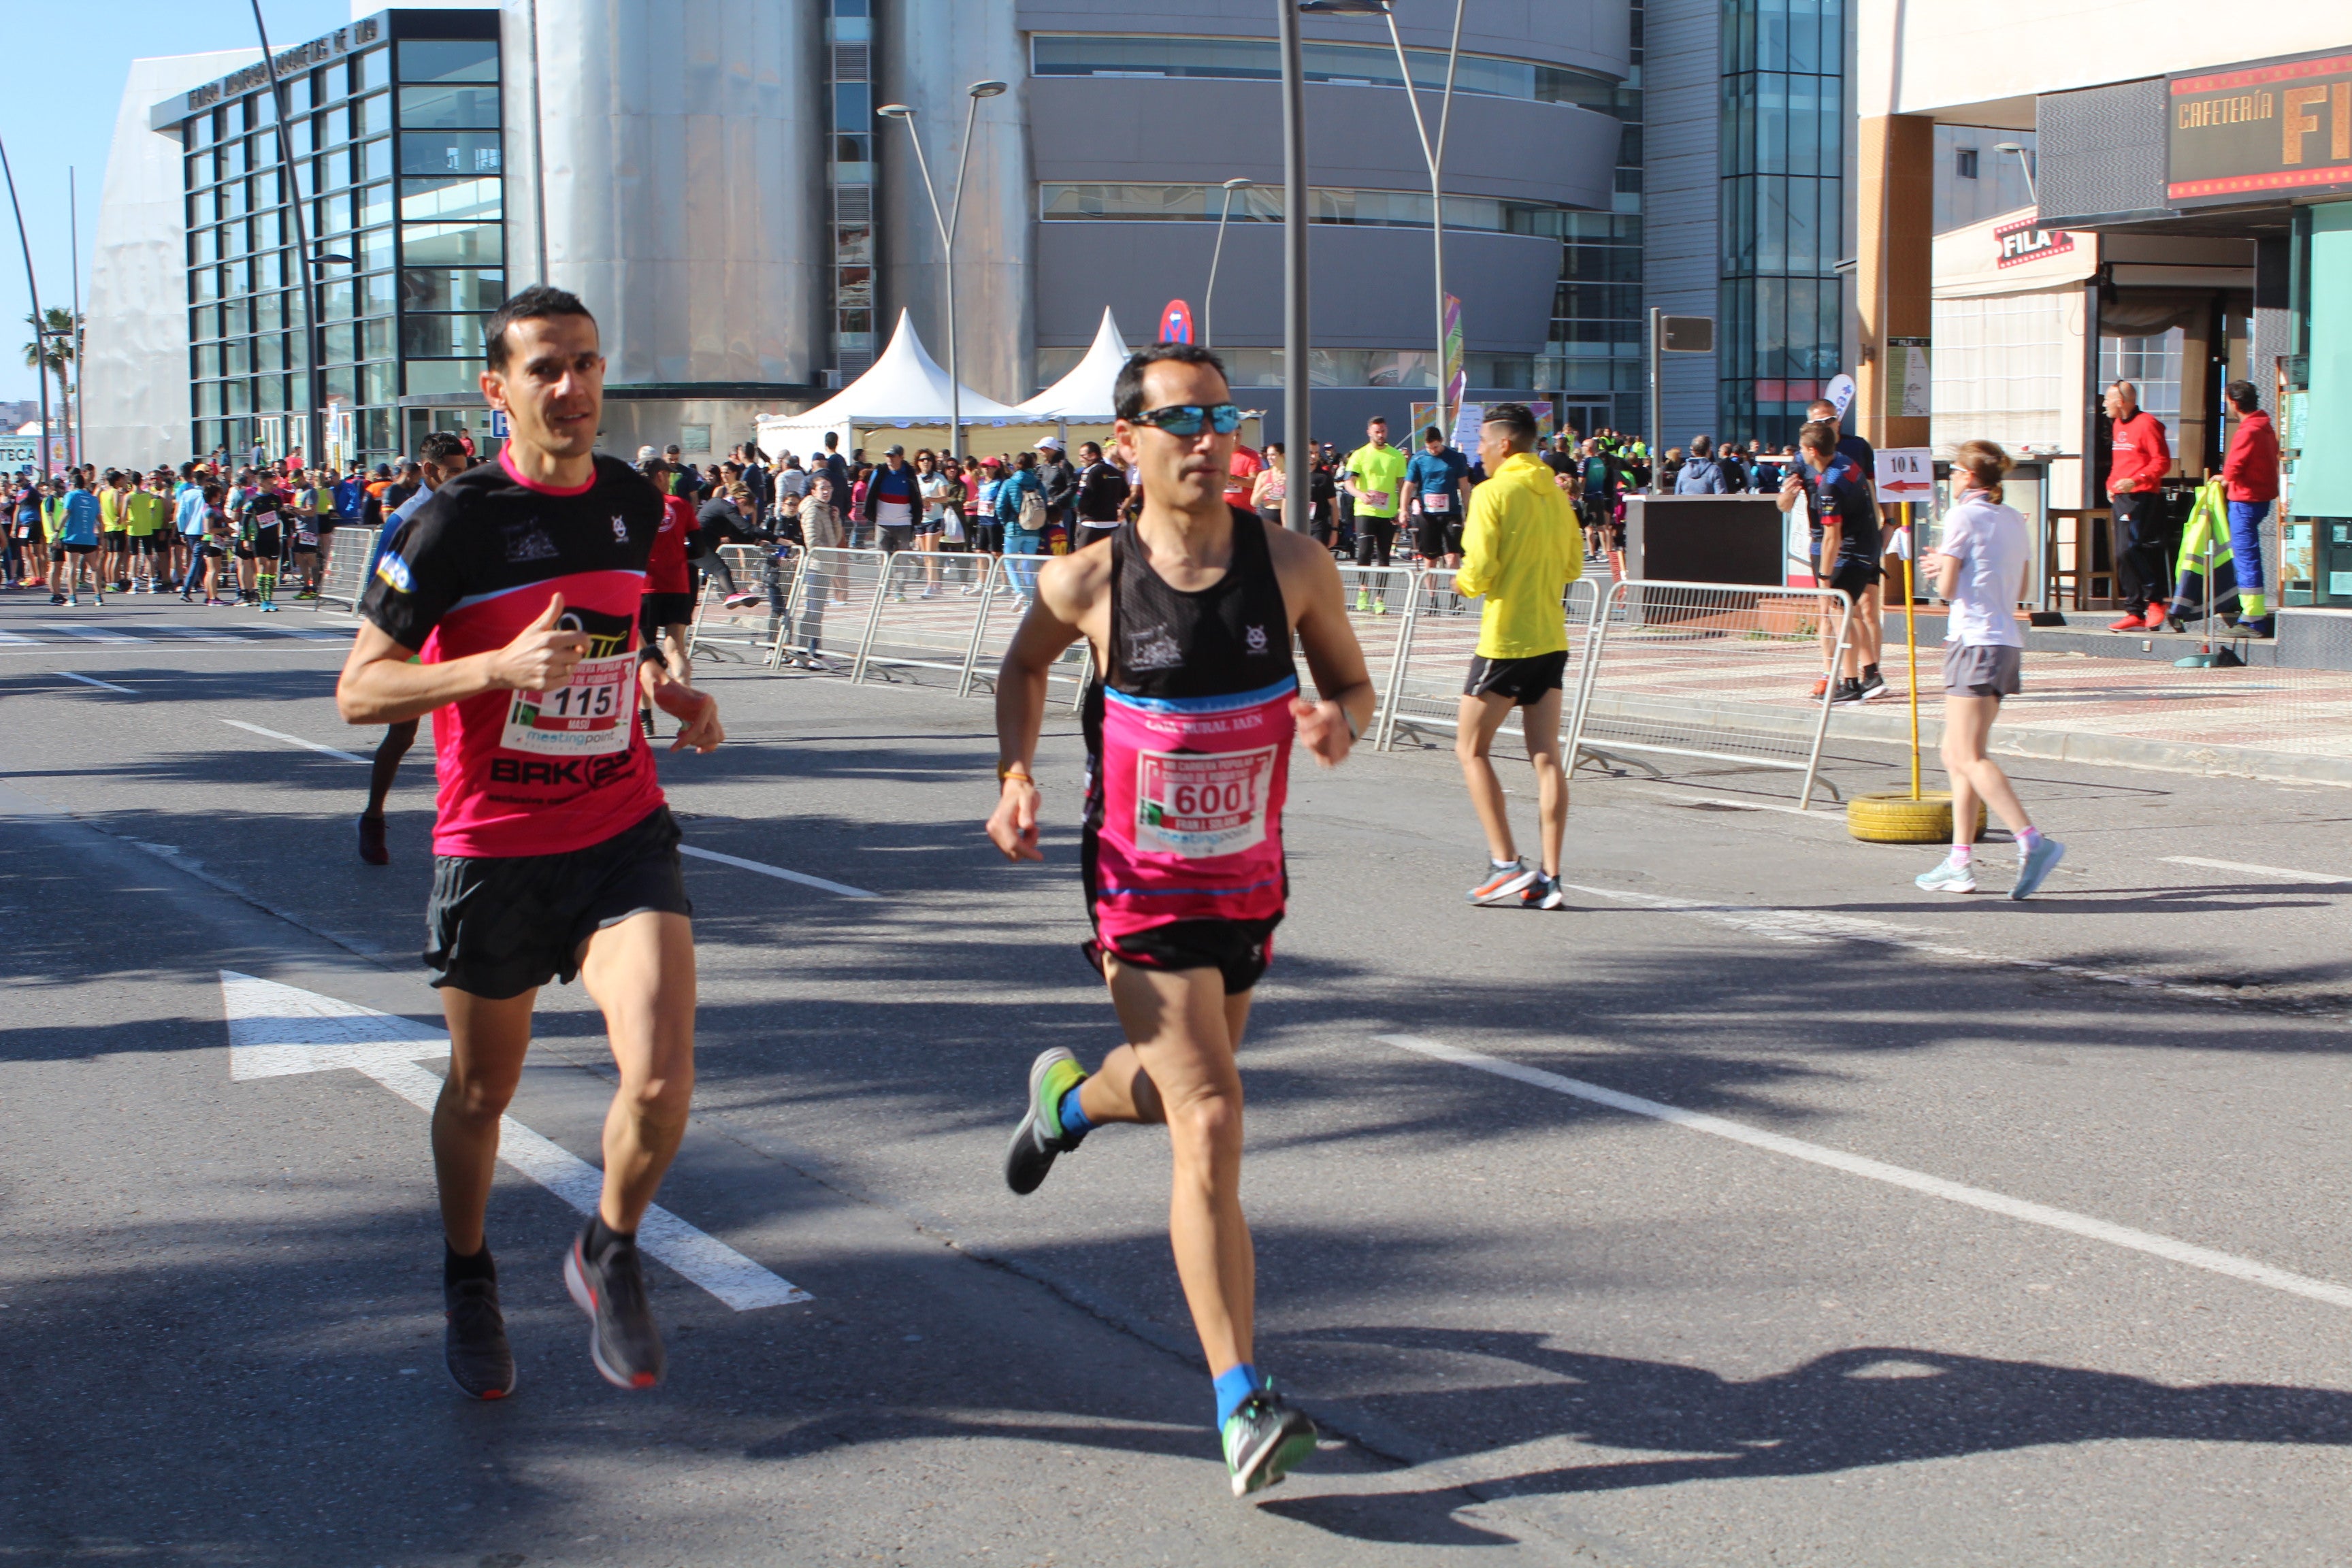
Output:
x=297 y=740
x=88 y=634
x=93 y=681
x=2280 y=872
x=803 y=877
x=2164 y=1247
x=275 y=1030
x=1817 y=928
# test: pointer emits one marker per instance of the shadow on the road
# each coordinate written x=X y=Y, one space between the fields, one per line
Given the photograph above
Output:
x=1857 y=1408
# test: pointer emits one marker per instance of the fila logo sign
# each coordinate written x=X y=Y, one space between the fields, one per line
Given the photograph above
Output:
x=2022 y=242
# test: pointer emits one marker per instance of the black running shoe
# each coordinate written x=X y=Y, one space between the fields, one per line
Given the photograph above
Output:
x=373 y=848
x=1265 y=1440
x=1040 y=1137
x=1872 y=685
x=611 y=1288
x=476 y=1348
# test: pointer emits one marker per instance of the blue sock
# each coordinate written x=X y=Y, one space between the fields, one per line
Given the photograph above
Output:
x=1073 y=1116
x=1235 y=1385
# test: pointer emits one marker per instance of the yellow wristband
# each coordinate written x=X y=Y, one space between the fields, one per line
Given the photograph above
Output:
x=1014 y=771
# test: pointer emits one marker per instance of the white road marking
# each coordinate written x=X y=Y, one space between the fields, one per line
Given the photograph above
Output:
x=2280 y=872
x=2165 y=1246
x=275 y=1030
x=297 y=740
x=1819 y=928
x=93 y=681
x=803 y=877
x=20 y=637
x=88 y=634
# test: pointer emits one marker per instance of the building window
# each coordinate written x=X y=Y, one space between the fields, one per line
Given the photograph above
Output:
x=1964 y=162
x=1262 y=203
x=1353 y=65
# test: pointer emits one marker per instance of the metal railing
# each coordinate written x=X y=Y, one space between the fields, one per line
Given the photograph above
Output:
x=1711 y=671
x=829 y=610
x=343 y=579
x=926 y=616
x=1441 y=637
x=739 y=632
x=1003 y=602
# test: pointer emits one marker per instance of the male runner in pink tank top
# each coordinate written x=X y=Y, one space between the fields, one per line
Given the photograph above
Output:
x=1190 y=609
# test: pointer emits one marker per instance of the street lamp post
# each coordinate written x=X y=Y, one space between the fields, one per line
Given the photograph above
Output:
x=314 y=424
x=40 y=322
x=1433 y=154
x=1209 y=300
x=946 y=226
x=2027 y=164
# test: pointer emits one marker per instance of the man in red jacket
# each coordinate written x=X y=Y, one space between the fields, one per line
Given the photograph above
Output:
x=2135 y=492
x=2250 y=477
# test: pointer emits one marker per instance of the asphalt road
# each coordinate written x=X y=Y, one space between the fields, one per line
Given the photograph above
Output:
x=2018 y=1238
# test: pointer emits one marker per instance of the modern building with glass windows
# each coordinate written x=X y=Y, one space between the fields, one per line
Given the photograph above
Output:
x=712 y=177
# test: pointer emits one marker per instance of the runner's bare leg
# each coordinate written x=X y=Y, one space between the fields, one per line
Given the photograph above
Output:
x=487 y=1039
x=641 y=972
x=1475 y=724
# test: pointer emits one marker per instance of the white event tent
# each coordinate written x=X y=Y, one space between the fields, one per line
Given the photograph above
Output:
x=1082 y=396
x=904 y=390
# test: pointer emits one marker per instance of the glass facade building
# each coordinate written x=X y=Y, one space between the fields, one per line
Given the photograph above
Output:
x=1784 y=154
x=1594 y=360
x=398 y=155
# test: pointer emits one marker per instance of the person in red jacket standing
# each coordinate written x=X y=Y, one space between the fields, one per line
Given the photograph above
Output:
x=2250 y=477
x=2134 y=492
x=667 y=611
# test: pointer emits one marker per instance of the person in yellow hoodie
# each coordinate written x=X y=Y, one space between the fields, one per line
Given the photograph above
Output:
x=1520 y=551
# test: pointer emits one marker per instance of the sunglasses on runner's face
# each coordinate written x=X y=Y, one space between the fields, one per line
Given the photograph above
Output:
x=1184 y=419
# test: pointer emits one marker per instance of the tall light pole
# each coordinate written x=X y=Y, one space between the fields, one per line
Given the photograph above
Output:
x=1433 y=154
x=40 y=322
x=947 y=226
x=1209 y=300
x=2027 y=164
x=73 y=255
x=314 y=441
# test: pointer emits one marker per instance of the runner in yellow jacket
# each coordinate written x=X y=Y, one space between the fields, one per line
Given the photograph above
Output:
x=1520 y=551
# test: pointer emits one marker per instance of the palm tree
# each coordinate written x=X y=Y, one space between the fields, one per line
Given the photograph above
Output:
x=63 y=333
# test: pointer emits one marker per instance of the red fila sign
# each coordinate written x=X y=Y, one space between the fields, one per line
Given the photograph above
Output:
x=2023 y=242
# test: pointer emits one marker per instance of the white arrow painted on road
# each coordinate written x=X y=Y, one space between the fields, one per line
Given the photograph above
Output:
x=275 y=1030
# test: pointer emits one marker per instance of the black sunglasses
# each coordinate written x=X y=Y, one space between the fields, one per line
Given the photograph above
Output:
x=1184 y=419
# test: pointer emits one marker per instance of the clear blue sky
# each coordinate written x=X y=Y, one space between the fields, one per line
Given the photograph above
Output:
x=70 y=63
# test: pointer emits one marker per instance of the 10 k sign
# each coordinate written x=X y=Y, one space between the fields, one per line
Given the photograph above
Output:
x=1905 y=473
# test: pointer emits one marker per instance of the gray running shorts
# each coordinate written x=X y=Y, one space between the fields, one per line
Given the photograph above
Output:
x=1981 y=669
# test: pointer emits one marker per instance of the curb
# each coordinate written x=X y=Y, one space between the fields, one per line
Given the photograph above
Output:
x=2008 y=741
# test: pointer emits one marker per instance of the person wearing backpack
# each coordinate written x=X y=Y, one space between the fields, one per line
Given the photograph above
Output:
x=1020 y=510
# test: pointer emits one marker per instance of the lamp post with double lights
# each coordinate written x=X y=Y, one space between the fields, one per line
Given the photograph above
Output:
x=1208 y=299
x=40 y=322
x=946 y=224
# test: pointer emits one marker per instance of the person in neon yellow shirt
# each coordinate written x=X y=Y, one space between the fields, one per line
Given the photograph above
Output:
x=1521 y=549
x=142 y=513
x=1375 y=475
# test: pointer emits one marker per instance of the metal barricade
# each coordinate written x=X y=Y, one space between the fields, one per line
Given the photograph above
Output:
x=1717 y=672
x=926 y=616
x=829 y=609
x=1441 y=637
x=736 y=633
x=342 y=580
x=1380 y=602
x=1003 y=603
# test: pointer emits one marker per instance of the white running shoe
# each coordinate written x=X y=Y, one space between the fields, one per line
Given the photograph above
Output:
x=1948 y=877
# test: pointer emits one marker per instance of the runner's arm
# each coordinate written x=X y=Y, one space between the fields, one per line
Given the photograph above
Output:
x=1328 y=727
x=378 y=686
x=1066 y=587
x=697 y=712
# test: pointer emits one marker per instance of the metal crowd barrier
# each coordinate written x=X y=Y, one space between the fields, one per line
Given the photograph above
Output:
x=829 y=610
x=926 y=616
x=749 y=627
x=1711 y=671
x=1003 y=601
x=1379 y=604
x=343 y=579
x=1441 y=637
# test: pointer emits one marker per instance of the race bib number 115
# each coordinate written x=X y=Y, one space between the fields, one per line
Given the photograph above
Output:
x=591 y=716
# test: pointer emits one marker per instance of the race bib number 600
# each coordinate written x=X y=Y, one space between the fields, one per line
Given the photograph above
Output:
x=1200 y=804
x=591 y=716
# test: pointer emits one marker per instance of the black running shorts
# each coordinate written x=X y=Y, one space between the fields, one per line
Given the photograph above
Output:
x=1523 y=680
x=1238 y=949
x=658 y=610
x=1853 y=577
x=1429 y=537
x=500 y=926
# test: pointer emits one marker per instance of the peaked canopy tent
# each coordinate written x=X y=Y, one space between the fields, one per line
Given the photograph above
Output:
x=904 y=390
x=1083 y=396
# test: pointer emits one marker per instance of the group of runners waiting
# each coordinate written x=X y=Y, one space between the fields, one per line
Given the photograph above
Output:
x=534 y=604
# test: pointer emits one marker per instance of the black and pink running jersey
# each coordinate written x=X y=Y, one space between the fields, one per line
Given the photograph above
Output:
x=529 y=772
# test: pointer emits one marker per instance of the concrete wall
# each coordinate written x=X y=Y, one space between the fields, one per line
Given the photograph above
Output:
x=1681 y=242
x=1370 y=285
x=135 y=399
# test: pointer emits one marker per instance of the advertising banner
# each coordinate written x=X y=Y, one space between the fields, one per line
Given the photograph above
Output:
x=2252 y=129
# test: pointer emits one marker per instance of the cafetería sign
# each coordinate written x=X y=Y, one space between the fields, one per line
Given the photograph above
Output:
x=2023 y=242
x=2270 y=126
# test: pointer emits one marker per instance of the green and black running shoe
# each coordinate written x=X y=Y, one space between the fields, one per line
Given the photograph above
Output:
x=1265 y=1440
x=1040 y=1137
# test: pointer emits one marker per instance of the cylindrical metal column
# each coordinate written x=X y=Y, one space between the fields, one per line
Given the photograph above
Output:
x=1297 y=414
